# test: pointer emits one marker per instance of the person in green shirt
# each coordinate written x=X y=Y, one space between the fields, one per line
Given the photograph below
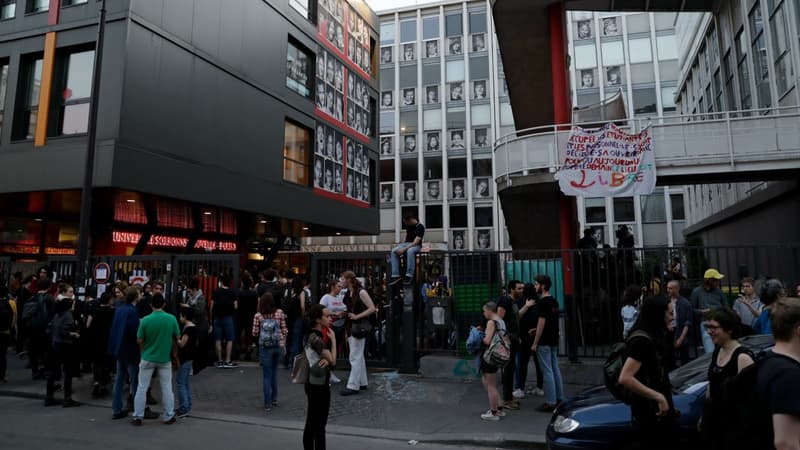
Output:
x=157 y=337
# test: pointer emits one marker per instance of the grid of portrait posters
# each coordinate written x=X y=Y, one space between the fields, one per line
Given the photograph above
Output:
x=358 y=45
x=358 y=179
x=330 y=23
x=358 y=105
x=329 y=159
x=330 y=85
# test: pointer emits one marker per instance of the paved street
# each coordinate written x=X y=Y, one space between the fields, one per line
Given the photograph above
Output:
x=396 y=407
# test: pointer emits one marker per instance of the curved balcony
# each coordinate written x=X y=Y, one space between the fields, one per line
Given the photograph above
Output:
x=713 y=147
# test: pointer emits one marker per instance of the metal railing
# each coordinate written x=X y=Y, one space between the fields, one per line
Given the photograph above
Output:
x=684 y=144
x=591 y=298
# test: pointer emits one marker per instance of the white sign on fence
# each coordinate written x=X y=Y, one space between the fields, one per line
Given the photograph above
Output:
x=608 y=162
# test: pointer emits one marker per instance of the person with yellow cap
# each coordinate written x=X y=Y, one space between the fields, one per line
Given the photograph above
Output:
x=706 y=298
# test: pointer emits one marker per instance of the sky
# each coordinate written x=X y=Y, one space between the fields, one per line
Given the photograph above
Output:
x=381 y=5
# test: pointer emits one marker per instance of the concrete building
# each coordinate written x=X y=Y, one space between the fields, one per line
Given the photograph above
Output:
x=745 y=56
x=205 y=137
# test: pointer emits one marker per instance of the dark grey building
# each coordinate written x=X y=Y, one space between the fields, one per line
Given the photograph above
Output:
x=215 y=122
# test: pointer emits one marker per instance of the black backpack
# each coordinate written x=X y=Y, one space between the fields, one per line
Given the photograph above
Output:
x=34 y=313
x=6 y=314
x=612 y=368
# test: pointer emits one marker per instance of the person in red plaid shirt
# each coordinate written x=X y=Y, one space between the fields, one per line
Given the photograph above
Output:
x=269 y=326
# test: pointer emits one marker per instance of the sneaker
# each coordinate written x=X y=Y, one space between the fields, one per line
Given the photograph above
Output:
x=335 y=379
x=171 y=421
x=230 y=365
x=119 y=415
x=220 y=364
x=501 y=412
x=267 y=408
x=136 y=421
x=538 y=392
x=489 y=415
x=181 y=414
x=347 y=392
x=513 y=404
x=546 y=408
x=518 y=393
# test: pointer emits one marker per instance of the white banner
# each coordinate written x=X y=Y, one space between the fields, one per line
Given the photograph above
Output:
x=607 y=162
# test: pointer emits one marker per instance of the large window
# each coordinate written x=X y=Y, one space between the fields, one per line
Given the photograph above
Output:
x=595 y=210
x=759 y=51
x=75 y=86
x=34 y=6
x=73 y=2
x=676 y=204
x=8 y=9
x=27 y=107
x=744 y=72
x=667 y=47
x=624 y=210
x=299 y=63
x=640 y=50
x=784 y=71
x=296 y=154
x=3 y=89
x=300 y=6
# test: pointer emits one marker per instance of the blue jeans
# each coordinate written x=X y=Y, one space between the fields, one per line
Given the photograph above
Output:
x=553 y=384
x=708 y=344
x=297 y=338
x=146 y=370
x=131 y=370
x=411 y=259
x=269 y=357
x=184 y=387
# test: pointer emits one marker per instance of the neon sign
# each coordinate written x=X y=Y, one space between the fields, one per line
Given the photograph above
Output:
x=157 y=240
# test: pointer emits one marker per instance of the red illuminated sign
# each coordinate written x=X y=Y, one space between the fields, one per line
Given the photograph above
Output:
x=124 y=237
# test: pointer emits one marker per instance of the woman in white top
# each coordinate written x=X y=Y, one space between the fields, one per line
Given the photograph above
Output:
x=334 y=303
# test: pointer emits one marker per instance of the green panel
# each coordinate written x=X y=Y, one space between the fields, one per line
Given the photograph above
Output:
x=526 y=272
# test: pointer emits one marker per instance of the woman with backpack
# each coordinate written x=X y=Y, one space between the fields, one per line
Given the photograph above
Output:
x=64 y=334
x=269 y=328
x=320 y=351
x=361 y=308
x=728 y=360
x=494 y=325
x=644 y=374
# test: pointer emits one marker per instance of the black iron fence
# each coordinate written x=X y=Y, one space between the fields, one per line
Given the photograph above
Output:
x=588 y=285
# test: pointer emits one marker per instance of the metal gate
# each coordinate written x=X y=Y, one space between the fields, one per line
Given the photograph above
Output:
x=207 y=269
x=383 y=343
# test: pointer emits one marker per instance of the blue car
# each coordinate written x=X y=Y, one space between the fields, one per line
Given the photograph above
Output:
x=594 y=419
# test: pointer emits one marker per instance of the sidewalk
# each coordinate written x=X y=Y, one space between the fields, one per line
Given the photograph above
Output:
x=399 y=407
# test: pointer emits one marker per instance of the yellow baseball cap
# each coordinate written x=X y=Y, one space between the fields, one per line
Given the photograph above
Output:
x=713 y=273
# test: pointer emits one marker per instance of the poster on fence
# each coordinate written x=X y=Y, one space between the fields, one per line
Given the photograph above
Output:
x=608 y=162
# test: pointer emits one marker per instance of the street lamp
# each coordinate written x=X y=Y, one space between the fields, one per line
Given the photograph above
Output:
x=84 y=226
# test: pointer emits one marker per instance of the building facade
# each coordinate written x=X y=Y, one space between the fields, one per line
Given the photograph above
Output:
x=204 y=143
x=633 y=55
x=743 y=58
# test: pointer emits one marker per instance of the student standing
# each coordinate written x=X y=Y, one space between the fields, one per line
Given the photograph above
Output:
x=64 y=355
x=545 y=345
x=187 y=347
x=321 y=353
x=269 y=325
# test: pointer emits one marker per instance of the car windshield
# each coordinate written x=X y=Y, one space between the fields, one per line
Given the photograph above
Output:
x=696 y=371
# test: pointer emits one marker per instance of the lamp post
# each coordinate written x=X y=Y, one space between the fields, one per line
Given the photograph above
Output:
x=84 y=227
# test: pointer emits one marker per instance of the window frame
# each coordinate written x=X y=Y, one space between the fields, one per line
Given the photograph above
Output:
x=30 y=7
x=7 y=3
x=58 y=105
x=310 y=72
x=24 y=109
x=308 y=150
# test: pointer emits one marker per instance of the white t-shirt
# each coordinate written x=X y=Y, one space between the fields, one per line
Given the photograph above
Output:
x=335 y=305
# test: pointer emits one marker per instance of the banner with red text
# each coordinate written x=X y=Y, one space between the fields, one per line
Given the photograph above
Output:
x=608 y=162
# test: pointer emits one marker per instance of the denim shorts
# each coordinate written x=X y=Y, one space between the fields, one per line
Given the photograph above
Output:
x=223 y=329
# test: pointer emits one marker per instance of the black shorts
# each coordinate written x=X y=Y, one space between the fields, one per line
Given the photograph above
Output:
x=488 y=368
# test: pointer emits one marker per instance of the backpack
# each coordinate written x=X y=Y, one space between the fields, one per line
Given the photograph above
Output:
x=309 y=298
x=499 y=352
x=612 y=368
x=270 y=334
x=34 y=313
x=6 y=314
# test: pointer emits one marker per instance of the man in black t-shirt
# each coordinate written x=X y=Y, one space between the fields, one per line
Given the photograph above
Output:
x=508 y=311
x=528 y=319
x=778 y=380
x=223 y=306
x=415 y=232
x=545 y=345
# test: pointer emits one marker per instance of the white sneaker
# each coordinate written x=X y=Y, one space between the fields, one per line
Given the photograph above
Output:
x=501 y=412
x=335 y=379
x=518 y=394
x=489 y=415
x=538 y=392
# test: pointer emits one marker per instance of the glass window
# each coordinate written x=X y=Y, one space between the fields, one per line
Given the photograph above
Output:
x=595 y=210
x=588 y=98
x=455 y=71
x=77 y=92
x=653 y=208
x=432 y=119
x=506 y=115
x=8 y=10
x=299 y=63
x=744 y=72
x=483 y=215
x=432 y=171
x=387 y=33
x=585 y=56
x=481 y=115
x=408 y=76
x=613 y=53
x=408 y=30
x=458 y=214
x=643 y=73
x=638 y=23
x=477 y=22
x=431 y=73
x=387 y=122
x=784 y=70
x=668 y=99
x=34 y=6
x=457 y=168
x=454 y=26
x=667 y=47
x=761 y=67
x=433 y=215
x=665 y=21
x=640 y=50
x=624 y=210
x=297 y=140
x=28 y=109
x=3 y=89
x=430 y=27
x=482 y=167
x=73 y=2
x=644 y=100
x=676 y=204
x=300 y=6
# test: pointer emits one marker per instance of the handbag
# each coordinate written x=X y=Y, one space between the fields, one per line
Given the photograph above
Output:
x=361 y=329
x=300 y=369
x=499 y=352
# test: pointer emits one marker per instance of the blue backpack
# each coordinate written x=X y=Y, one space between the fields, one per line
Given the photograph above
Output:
x=270 y=334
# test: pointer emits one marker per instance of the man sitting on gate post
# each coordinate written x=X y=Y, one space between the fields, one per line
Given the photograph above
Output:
x=415 y=231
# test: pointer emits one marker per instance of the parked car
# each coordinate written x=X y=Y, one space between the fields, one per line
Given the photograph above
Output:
x=594 y=419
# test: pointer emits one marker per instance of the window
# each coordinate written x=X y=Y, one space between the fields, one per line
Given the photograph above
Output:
x=595 y=210
x=585 y=56
x=35 y=6
x=744 y=72
x=667 y=47
x=477 y=22
x=76 y=94
x=668 y=99
x=784 y=72
x=484 y=217
x=8 y=10
x=430 y=27
x=729 y=87
x=3 y=89
x=644 y=101
x=433 y=216
x=300 y=6
x=296 y=144
x=759 y=52
x=75 y=2
x=613 y=53
x=653 y=208
x=458 y=216
x=676 y=204
x=454 y=25
x=387 y=33
x=624 y=210
x=640 y=50
x=299 y=63
x=408 y=30
x=27 y=109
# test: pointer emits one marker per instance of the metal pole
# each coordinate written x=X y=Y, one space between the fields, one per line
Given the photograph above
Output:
x=88 y=176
